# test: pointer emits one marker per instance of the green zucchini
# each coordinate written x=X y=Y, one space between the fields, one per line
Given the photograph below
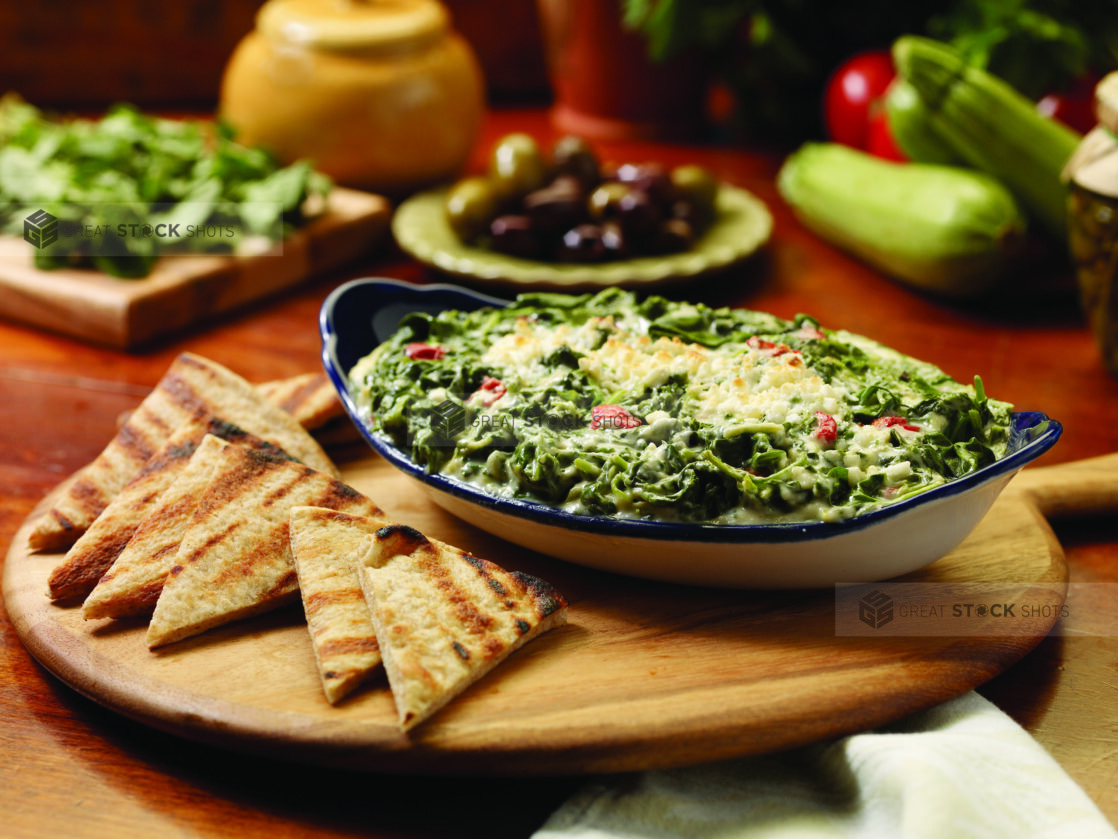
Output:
x=913 y=128
x=992 y=127
x=944 y=229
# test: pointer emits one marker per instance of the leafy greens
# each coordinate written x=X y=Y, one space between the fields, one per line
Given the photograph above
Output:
x=605 y=404
x=127 y=187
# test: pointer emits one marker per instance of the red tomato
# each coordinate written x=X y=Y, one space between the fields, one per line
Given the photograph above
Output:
x=879 y=139
x=850 y=94
x=1074 y=107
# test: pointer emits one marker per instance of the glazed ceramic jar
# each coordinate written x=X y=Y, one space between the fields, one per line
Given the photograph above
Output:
x=1093 y=221
x=382 y=95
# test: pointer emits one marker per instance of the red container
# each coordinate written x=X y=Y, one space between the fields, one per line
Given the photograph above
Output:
x=604 y=83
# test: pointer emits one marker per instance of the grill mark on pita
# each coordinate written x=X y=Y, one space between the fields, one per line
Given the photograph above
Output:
x=545 y=598
x=233 y=433
x=207 y=546
x=263 y=552
x=284 y=585
x=484 y=571
x=323 y=516
x=68 y=580
x=315 y=603
x=87 y=496
x=163 y=550
x=135 y=445
x=299 y=395
x=342 y=646
x=141 y=602
x=145 y=417
x=493 y=646
x=180 y=392
x=171 y=455
x=402 y=539
x=338 y=494
x=341 y=493
x=62 y=521
x=473 y=619
x=277 y=495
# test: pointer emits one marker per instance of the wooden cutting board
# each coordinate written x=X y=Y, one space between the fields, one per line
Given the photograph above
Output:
x=184 y=290
x=644 y=675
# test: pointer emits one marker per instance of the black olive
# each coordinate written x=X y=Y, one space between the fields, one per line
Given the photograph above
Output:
x=573 y=156
x=557 y=207
x=673 y=236
x=638 y=214
x=583 y=244
x=515 y=235
x=614 y=241
x=650 y=178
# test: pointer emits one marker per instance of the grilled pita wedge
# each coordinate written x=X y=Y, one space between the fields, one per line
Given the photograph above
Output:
x=98 y=548
x=444 y=618
x=235 y=559
x=311 y=398
x=131 y=586
x=327 y=546
x=192 y=383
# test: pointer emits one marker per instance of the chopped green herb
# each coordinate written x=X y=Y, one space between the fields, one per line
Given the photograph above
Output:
x=129 y=187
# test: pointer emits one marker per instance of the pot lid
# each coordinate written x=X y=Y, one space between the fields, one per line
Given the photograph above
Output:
x=1106 y=101
x=354 y=24
x=1094 y=165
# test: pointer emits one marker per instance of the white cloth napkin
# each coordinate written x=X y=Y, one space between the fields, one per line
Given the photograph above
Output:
x=962 y=769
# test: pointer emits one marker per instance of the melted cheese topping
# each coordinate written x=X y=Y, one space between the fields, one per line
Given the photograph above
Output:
x=752 y=389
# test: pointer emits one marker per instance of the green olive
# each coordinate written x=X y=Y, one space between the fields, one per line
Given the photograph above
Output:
x=471 y=205
x=605 y=199
x=572 y=155
x=697 y=186
x=516 y=166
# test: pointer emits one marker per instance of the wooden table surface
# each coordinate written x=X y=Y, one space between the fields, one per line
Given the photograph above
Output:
x=72 y=768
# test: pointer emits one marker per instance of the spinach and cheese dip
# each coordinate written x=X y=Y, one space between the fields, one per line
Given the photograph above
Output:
x=612 y=405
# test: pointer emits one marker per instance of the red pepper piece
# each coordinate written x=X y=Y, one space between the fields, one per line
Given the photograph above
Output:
x=768 y=347
x=424 y=352
x=826 y=428
x=490 y=391
x=810 y=332
x=889 y=422
x=611 y=416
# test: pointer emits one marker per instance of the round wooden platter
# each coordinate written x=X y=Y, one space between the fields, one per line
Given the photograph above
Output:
x=644 y=675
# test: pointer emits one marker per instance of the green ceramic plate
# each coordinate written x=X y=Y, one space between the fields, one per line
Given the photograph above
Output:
x=742 y=226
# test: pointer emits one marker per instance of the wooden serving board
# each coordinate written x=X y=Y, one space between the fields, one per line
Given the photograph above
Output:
x=184 y=290
x=644 y=674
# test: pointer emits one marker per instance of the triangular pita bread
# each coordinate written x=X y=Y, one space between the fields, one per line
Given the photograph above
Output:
x=192 y=383
x=311 y=398
x=98 y=548
x=444 y=618
x=235 y=559
x=328 y=548
x=133 y=583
